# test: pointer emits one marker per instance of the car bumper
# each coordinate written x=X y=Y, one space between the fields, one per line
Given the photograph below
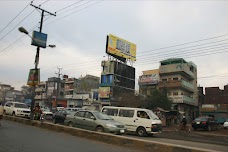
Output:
x=116 y=130
x=23 y=115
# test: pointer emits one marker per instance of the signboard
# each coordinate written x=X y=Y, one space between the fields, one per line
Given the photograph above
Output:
x=104 y=92
x=39 y=39
x=34 y=77
x=118 y=47
x=148 y=79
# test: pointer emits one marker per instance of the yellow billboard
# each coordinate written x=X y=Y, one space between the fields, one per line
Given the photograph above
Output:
x=104 y=92
x=121 y=48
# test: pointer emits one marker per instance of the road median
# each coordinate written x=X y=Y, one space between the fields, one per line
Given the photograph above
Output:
x=140 y=144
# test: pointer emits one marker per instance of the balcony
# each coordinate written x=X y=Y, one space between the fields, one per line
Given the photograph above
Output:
x=183 y=99
x=70 y=80
x=176 y=84
x=176 y=68
x=69 y=88
x=40 y=90
x=69 y=96
x=40 y=96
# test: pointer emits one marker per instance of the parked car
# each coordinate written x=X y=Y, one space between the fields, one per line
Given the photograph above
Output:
x=207 y=123
x=16 y=109
x=95 y=121
x=225 y=125
x=137 y=120
x=59 y=116
x=47 y=114
x=73 y=109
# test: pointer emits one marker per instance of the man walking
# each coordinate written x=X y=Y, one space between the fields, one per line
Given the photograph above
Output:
x=1 y=112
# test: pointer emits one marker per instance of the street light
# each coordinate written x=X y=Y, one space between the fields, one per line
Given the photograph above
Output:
x=23 y=30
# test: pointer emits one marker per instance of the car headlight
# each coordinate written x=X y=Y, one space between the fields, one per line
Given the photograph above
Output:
x=111 y=125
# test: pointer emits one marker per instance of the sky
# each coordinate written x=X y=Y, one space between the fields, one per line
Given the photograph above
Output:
x=190 y=29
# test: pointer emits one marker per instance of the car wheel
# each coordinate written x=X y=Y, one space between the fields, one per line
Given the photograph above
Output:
x=70 y=124
x=4 y=112
x=141 y=132
x=54 y=121
x=100 y=129
x=13 y=114
x=209 y=128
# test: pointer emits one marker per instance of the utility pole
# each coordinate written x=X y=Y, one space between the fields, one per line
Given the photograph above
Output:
x=58 y=81
x=37 y=57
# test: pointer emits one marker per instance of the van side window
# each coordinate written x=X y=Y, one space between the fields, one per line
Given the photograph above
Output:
x=142 y=114
x=126 y=113
x=110 y=112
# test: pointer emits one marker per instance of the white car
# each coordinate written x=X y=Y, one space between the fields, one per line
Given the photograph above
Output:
x=16 y=109
x=225 y=125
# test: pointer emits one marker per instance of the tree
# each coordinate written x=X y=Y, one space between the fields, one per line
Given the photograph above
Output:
x=27 y=92
x=158 y=98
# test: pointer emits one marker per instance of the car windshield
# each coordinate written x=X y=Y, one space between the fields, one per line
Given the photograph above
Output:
x=201 y=119
x=19 y=105
x=69 y=112
x=102 y=116
x=152 y=115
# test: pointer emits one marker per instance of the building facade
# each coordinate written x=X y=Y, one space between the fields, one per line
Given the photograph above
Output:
x=117 y=80
x=179 y=78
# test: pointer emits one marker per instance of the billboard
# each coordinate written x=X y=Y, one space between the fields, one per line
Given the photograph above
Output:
x=120 y=48
x=34 y=77
x=148 y=79
x=39 y=39
x=104 y=92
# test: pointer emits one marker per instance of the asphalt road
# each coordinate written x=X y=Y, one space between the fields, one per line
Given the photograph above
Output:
x=15 y=137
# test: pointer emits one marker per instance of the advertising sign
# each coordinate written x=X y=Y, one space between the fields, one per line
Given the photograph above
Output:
x=34 y=77
x=104 y=92
x=39 y=39
x=121 y=48
x=148 y=79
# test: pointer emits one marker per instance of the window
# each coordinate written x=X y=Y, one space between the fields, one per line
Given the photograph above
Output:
x=61 y=93
x=175 y=78
x=126 y=113
x=62 y=85
x=175 y=93
x=142 y=114
x=111 y=112
x=80 y=114
x=88 y=115
x=164 y=79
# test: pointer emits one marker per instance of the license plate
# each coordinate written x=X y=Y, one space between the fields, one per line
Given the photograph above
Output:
x=197 y=122
x=121 y=131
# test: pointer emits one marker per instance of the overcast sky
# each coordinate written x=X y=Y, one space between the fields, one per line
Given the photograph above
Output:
x=194 y=30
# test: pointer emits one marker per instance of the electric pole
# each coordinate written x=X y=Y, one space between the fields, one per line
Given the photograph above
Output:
x=37 y=58
x=58 y=81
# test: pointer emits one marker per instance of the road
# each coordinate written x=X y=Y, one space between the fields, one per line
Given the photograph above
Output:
x=15 y=137
x=190 y=140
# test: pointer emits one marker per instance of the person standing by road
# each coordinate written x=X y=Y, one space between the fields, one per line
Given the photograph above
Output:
x=1 y=112
x=183 y=123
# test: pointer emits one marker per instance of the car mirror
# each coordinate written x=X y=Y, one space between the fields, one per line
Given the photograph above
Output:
x=92 y=117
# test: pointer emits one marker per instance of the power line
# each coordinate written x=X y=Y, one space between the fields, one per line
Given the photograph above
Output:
x=185 y=43
x=14 y=18
x=17 y=25
x=69 y=6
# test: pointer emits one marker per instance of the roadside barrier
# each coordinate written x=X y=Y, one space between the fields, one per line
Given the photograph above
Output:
x=140 y=144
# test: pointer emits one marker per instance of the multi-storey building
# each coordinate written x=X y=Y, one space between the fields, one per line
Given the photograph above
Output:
x=77 y=91
x=179 y=78
x=40 y=93
x=55 y=92
x=117 y=80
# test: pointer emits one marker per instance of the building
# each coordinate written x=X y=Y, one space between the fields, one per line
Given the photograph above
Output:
x=55 y=92
x=201 y=99
x=7 y=93
x=216 y=103
x=3 y=90
x=41 y=94
x=179 y=78
x=117 y=80
x=81 y=91
x=148 y=81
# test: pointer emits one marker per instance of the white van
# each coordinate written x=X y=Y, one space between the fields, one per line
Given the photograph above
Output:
x=140 y=121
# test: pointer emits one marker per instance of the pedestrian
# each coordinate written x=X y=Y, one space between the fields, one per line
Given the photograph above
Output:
x=183 y=123
x=1 y=112
x=37 y=112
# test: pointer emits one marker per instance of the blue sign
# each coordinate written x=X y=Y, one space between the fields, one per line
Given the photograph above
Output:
x=39 y=39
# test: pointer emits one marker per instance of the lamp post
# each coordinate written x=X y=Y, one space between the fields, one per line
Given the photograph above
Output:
x=23 y=30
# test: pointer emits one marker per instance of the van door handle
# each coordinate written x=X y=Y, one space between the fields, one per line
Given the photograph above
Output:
x=135 y=120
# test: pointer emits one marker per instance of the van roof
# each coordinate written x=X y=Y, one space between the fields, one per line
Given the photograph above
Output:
x=113 y=107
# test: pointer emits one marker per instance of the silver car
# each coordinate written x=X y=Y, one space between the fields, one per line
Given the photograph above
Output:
x=96 y=121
